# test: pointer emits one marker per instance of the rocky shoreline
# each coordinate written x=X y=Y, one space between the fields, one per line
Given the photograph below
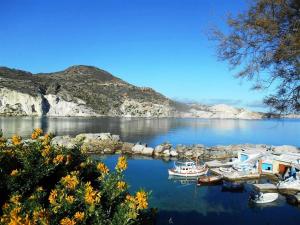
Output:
x=106 y=143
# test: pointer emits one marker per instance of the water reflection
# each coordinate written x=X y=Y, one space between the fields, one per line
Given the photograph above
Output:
x=157 y=131
x=184 y=202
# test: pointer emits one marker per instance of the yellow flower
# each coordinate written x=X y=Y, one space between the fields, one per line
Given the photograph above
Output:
x=14 y=173
x=122 y=164
x=141 y=200
x=79 y=216
x=36 y=133
x=58 y=159
x=129 y=198
x=103 y=168
x=16 y=140
x=67 y=221
x=91 y=196
x=70 y=181
x=27 y=220
x=46 y=139
x=131 y=201
x=2 y=141
x=39 y=189
x=40 y=214
x=121 y=185
x=70 y=199
x=46 y=150
x=5 y=205
x=15 y=199
x=52 y=197
x=15 y=219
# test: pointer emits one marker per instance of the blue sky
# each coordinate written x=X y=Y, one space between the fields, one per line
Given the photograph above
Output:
x=162 y=44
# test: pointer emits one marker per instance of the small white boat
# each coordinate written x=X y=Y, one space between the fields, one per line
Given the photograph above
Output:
x=187 y=169
x=261 y=198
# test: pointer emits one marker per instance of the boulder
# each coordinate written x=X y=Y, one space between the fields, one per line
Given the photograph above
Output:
x=64 y=141
x=137 y=149
x=147 y=151
x=158 y=149
x=115 y=137
x=189 y=153
x=105 y=136
x=166 y=152
x=181 y=148
x=84 y=138
x=173 y=153
x=108 y=151
x=127 y=147
x=97 y=136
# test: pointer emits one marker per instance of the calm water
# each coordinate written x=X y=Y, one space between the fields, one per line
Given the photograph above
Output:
x=185 y=203
x=156 y=131
x=181 y=200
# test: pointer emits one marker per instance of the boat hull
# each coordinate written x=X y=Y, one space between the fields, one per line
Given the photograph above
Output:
x=265 y=198
x=209 y=180
x=172 y=172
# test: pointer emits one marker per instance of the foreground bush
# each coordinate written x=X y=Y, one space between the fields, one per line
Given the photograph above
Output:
x=43 y=184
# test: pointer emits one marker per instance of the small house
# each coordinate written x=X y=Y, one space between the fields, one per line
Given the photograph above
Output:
x=286 y=162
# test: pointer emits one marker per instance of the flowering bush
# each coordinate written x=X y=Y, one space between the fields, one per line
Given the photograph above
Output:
x=43 y=184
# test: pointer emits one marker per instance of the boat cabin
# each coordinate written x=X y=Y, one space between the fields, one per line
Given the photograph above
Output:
x=185 y=165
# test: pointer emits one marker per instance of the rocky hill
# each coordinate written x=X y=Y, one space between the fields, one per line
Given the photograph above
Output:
x=89 y=91
x=77 y=91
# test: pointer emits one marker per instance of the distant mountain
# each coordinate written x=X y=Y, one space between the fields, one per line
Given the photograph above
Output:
x=78 y=91
x=90 y=91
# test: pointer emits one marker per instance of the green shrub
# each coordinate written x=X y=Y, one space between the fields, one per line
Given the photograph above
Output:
x=43 y=184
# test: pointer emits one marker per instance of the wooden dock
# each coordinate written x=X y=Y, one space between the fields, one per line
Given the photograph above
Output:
x=217 y=163
x=266 y=187
x=241 y=176
x=273 y=188
x=216 y=171
x=235 y=175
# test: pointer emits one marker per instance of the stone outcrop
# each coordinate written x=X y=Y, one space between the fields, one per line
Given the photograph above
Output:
x=222 y=111
x=132 y=108
x=105 y=143
x=14 y=103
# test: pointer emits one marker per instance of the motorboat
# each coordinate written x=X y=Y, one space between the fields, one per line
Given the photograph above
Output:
x=260 y=198
x=207 y=180
x=232 y=186
x=187 y=169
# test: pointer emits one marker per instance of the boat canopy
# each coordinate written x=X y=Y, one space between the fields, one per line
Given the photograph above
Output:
x=186 y=163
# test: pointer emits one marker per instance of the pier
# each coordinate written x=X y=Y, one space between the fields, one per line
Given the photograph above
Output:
x=266 y=187
x=217 y=164
x=235 y=175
